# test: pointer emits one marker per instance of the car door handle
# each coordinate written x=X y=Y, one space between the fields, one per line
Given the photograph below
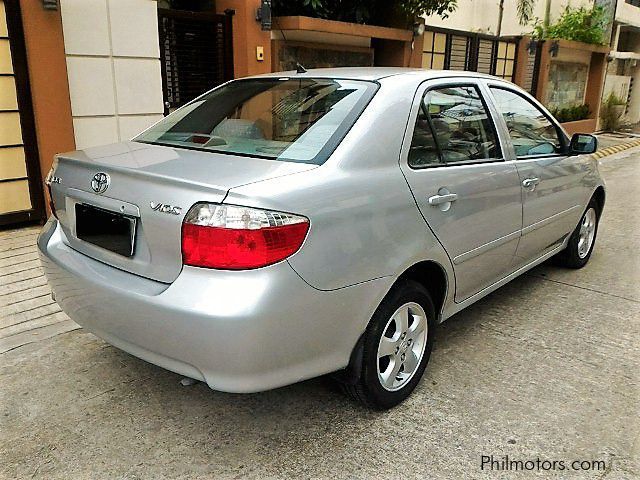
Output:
x=530 y=182
x=440 y=199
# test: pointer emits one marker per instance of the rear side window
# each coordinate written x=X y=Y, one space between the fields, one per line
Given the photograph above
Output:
x=299 y=120
x=453 y=126
x=532 y=133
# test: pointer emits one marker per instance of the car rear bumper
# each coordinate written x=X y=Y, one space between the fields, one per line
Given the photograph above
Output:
x=242 y=331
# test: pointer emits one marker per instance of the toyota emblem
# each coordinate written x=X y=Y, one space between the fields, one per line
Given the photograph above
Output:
x=100 y=182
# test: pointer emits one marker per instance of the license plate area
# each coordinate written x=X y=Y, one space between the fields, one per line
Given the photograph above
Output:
x=109 y=230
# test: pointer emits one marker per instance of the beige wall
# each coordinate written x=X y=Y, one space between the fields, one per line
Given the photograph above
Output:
x=113 y=66
x=482 y=15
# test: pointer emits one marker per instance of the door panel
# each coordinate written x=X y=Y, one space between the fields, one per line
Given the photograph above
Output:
x=480 y=229
x=552 y=207
x=470 y=200
x=551 y=181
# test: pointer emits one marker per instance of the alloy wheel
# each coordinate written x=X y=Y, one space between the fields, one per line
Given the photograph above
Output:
x=402 y=346
x=587 y=232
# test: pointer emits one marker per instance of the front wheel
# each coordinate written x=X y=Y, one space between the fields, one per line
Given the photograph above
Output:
x=582 y=240
x=397 y=346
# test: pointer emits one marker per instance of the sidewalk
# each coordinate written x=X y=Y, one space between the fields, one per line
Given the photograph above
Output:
x=606 y=140
x=27 y=311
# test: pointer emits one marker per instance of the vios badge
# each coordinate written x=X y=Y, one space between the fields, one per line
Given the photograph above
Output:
x=100 y=182
x=165 y=208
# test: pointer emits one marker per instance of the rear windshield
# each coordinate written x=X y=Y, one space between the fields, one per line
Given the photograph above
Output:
x=296 y=120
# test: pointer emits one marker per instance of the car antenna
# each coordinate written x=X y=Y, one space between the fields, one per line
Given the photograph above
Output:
x=299 y=67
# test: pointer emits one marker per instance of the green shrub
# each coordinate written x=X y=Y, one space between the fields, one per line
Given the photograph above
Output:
x=578 y=24
x=571 y=114
x=610 y=113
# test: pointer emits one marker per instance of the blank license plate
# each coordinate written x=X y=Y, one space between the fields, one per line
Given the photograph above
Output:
x=109 y=230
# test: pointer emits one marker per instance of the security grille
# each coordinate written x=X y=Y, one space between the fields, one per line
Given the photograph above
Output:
x=195 y=53
x=474 y=52
x=485 y=56
x=459 y=52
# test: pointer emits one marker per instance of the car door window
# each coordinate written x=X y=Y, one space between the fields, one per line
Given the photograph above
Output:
x=452 y=126
x=532 y=133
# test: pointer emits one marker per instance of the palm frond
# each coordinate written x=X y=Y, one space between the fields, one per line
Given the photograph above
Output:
x=525 y=11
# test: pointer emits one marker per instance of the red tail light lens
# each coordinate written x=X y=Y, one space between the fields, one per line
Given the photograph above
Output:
x=48 y=181
x=231 y=237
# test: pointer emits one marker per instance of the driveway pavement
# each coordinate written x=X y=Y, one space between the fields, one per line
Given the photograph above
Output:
x=547 y=368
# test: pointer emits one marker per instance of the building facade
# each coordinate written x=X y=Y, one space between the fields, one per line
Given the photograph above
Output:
x=76 y=74
x=482 y=16
x=623 y=73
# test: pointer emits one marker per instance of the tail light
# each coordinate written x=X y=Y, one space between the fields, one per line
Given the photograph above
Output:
x=232 y=237
x=48 y=181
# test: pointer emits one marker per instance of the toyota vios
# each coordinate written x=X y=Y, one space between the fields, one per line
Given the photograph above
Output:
x=287 y=226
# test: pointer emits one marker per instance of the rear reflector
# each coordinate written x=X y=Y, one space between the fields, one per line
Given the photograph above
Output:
x=232 y=237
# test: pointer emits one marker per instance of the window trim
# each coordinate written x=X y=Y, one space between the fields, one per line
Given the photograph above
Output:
x=449 y=83
x=564 y=143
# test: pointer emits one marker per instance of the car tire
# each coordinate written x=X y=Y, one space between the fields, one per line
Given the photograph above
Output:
x=582 y=240
x=385 y=381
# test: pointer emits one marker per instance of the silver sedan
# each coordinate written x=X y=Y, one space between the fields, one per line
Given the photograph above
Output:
x=287 y=226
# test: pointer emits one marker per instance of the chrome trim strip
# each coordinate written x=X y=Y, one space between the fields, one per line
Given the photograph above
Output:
x=463 y=257
x=548 y=220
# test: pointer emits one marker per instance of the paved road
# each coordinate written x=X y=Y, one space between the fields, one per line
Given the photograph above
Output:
x=547 y=367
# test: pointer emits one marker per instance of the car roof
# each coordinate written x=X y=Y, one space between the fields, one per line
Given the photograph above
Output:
x=375 y=73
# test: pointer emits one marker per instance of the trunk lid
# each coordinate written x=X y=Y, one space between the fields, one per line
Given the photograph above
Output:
x=142 y=174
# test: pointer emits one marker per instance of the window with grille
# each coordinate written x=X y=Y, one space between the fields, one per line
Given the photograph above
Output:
x=505 y=60
x=434 y=50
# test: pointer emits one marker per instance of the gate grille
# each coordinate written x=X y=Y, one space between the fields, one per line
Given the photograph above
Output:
x=469 y=51
x=485 y=56
x=458 y=52
x=195 y=53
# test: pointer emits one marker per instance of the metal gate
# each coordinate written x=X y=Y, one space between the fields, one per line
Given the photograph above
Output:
x=458 y=50
x=196 y=54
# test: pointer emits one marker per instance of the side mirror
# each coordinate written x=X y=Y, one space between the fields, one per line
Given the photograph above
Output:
x=582 y=143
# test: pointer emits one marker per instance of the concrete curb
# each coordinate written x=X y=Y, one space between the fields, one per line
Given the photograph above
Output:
x=605 y=152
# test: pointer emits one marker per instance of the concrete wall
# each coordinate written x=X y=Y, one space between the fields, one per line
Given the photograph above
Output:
x=113 y=65
x=618 y=85
x=626 y=41
x=247 y=38
x=627 y=14
x=482 y=15
x=578 y=62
